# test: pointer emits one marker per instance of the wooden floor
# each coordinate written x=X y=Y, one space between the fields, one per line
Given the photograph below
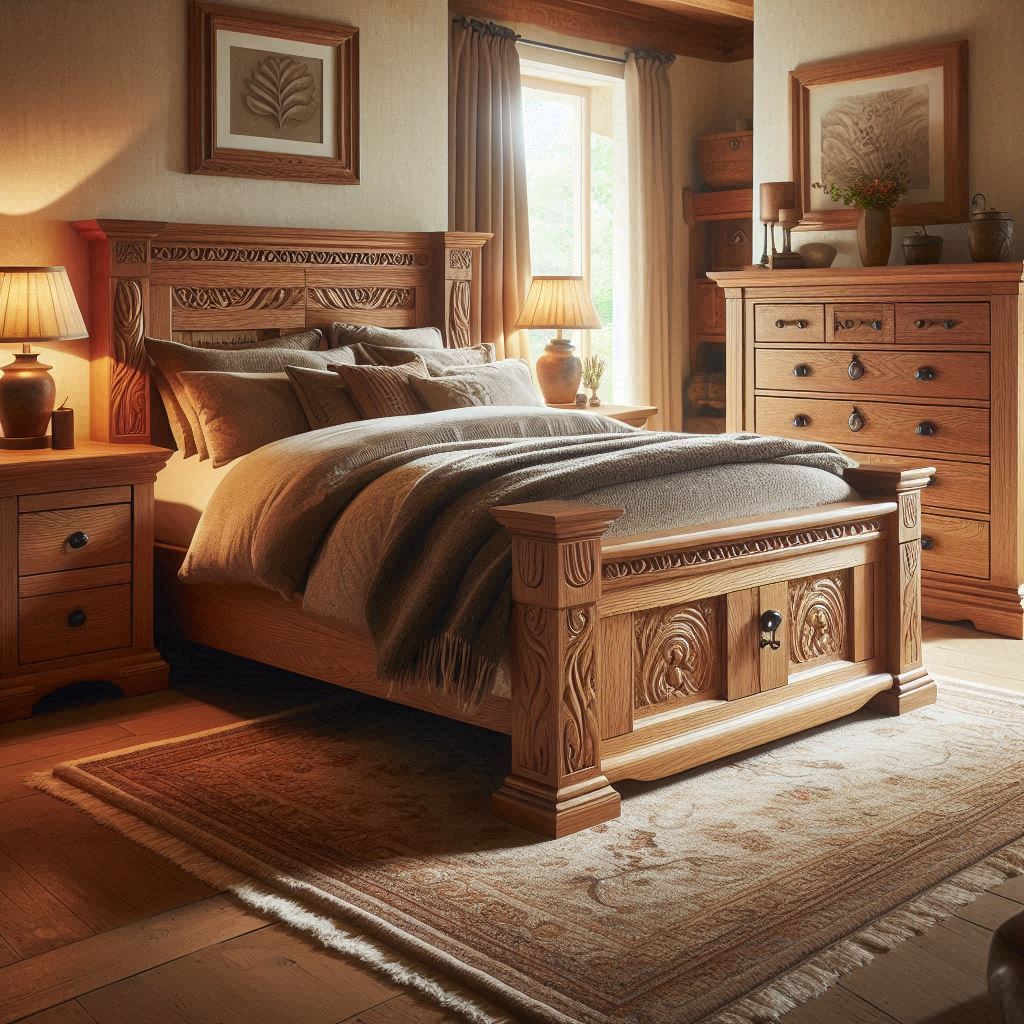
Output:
x=96 y=930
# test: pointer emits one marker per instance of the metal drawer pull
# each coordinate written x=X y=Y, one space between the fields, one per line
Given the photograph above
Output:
x=924 y=373
x=927 y=543
x=77 y=618
x=926 y=429
x=949 y=324
x=801 y=370
x=800 y=420
x=846 y=324
x=78 y=540
x=875 y=325
x=798 y=324
x=856 y=421
x=856 y=368
x=920 y=324
x=771 y=620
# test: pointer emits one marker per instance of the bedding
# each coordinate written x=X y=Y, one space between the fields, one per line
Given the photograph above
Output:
x=508 y=382
x=383 y=390
x=343 y=335
x=182 y=490
x=323 y=396
x=437 y=360
x=434 y=585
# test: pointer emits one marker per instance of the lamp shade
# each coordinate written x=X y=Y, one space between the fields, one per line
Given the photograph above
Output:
x=37 y=304
x=560 y=302
x=775 y=196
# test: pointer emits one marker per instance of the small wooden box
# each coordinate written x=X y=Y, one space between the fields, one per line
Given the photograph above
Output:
x=726 y=159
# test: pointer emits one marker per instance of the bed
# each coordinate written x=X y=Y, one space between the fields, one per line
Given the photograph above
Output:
x=631 y=653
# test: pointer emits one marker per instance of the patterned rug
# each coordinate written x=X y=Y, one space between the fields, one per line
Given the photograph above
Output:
x=730 y=893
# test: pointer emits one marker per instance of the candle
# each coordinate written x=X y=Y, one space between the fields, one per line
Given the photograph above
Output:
x=62 y=423
x=775 y=196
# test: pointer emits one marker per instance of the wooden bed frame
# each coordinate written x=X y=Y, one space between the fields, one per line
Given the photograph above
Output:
x=633 y=658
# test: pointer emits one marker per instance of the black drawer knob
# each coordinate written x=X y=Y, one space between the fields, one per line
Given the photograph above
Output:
x=771 y=620
x=919 y=324
x=848 y=325
x=801 y=370
x=949 y=324
x=926 y=429
x=78 y=540
x=924 y=373
x=800 y=420
x=856 y=421
x=875 y=325
x=77 y=618
x=856 y=369
x=927 y=543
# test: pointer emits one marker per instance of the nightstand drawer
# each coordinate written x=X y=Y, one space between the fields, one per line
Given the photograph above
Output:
x=78 y=622
x=930 y=323
x=859 y=321
x=74 y=538
x=955 y=546
x=789 y=322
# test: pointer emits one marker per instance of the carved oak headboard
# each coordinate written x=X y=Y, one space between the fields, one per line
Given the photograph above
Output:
x=192 y=280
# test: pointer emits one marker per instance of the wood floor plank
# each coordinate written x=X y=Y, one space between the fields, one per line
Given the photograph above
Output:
x=64 y=974
x=7 y=954
x=66 y=1013
x=989 y=910
x=129 y=1002
x=1012 y=889
x=837 y=1006
x=412 y=1009
x=964 y=946
x=62 y=746
x=12 y=786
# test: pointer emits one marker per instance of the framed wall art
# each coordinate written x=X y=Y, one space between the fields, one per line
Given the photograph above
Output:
x=852 y=116
x=273 y=96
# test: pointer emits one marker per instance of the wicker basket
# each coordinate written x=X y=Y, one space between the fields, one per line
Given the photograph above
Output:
x=706 y=391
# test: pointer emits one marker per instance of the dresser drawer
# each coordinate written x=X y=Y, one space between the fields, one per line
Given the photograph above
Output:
x=74 y=538
x=789 y=322
x=893 y=425
x=942 y=323
x=960 y=486
x=859 y=321
x=74 y=623
x=874 y=373
x=955 y=546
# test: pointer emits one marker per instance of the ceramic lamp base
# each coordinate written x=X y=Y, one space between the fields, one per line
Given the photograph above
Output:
x=24 y=443
x=559 y=372
x=26 y=401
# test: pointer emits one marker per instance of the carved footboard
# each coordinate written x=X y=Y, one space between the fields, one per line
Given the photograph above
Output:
x=642 y=657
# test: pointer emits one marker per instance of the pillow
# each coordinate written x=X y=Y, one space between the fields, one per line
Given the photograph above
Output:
x=171 y=358
x=343 y=335
x=324 y=398
x=437 y=360
x=504 y=383
x=384 y=390
x=241 y=412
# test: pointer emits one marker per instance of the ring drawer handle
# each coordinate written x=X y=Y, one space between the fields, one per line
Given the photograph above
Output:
x=949 y=324
x=734 y=144
x=920 y=324
x=798 y=324
x=801 y=370
x=771 y=620
x=856 y=369
x=800 y=420
x=77 y=618
x=926 y=429
x=78 y=540
x=927 y=543
x=856 y=421
x=924 y=373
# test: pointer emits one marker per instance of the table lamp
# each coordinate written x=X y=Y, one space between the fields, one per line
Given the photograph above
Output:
x=562 y=303
x=36 y=304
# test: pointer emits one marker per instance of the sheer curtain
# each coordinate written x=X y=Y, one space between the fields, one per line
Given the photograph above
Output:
x=656 y=365
x=487 y=170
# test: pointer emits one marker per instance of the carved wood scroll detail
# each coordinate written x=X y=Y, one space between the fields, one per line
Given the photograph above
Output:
x=613 y=570
x=130 y=252
x=533 y=694
x=460 y=259
x=363 y=298
x=530 y=563
x=579 y=564
x=128 y=375
x=910 y=598
x=317 y=257
x=910 y=505
x=678 y=652
x=459 y=305
x=237 y=298
x=818 y=615
x=579 y=695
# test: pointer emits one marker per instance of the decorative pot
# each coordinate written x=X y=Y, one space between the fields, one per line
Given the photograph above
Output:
x=818 y=255
x=989 y=232
x=559 y=372
x=874 y=237
x=922 y=248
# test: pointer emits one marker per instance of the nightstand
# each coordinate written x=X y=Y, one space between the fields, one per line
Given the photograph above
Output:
x=76 y=571
x=634 y=415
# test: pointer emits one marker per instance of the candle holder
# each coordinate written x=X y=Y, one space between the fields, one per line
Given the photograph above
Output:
x=775 y=196
x=789 y=217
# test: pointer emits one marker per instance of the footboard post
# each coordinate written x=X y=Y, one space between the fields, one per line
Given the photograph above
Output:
x=556 y=786
x=913 y=686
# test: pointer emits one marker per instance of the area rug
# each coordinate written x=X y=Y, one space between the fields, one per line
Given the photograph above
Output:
x=731 y=893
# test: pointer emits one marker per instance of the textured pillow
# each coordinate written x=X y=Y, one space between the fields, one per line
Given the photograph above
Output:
x=437 y=360
x=241 y=412
x=171 y=358
x=324 y=398
x=342 y=335
x=384 y=390
x=503 y=383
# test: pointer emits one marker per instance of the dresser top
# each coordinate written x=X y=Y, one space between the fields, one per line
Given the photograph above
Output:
x=900 y=277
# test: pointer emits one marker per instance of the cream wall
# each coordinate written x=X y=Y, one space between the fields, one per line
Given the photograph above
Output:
x=94 y=124
x=791 y=32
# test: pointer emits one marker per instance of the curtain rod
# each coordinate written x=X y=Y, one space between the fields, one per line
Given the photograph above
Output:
x=574 y=52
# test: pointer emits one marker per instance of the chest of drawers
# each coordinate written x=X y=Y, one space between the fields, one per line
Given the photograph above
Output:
x=921 y=365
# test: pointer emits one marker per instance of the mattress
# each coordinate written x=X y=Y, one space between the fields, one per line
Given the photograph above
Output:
x=183 y=489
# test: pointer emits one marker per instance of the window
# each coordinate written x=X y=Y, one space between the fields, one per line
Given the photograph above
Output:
x=575 y=174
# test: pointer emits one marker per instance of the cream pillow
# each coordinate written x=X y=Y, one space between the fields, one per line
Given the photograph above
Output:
x=507 y=382
x=240 y=412
x=437 y=360
x=342 y=335
x=384 y=390
x=324 y=398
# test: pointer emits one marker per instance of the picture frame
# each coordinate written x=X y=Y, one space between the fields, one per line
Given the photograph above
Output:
x=920 y=91
x=273 y=97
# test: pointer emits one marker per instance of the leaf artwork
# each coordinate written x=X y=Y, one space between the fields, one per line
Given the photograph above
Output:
x=281 y=88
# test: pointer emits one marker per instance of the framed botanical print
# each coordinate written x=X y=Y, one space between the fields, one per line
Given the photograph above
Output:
x=901 y=112
x=273 y=96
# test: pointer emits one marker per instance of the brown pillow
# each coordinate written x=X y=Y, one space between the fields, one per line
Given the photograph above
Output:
x=384 y=390
x=507 y=382
x=324 y=398
x=171 y=358
x=437 y=360
x=241 y=412
x=342 y=335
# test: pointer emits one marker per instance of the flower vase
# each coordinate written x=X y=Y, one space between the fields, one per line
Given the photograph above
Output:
x=874 y=237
